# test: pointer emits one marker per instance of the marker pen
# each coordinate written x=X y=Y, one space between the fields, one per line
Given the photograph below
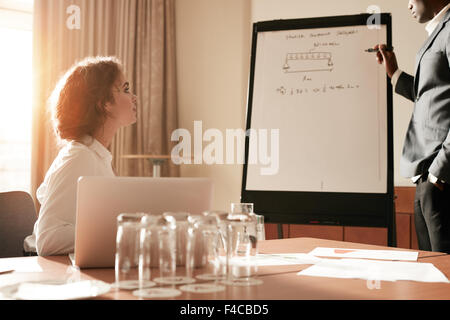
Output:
x=376 y=50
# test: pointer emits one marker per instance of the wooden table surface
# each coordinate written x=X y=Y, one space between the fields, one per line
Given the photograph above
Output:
x=279 y=282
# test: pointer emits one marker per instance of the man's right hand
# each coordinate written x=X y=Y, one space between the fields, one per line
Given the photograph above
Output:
x=388 y=58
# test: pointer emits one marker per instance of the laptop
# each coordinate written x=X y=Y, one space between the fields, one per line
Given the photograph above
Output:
x=101 y=199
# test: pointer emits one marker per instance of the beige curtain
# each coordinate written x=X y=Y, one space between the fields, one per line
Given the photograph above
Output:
x=141 y=33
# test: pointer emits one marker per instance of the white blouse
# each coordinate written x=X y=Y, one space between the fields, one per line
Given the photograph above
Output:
x=54 y=231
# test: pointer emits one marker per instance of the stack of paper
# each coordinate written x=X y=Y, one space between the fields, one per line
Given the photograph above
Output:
x=402 y=265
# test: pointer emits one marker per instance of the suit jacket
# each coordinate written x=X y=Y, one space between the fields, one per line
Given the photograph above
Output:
x=427 y=142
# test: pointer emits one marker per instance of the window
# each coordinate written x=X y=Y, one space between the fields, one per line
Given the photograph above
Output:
x=15 y=94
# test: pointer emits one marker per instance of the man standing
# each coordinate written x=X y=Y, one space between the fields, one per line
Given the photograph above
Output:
x=426 y=151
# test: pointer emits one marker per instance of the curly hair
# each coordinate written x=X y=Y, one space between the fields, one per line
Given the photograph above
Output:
x=78 y=101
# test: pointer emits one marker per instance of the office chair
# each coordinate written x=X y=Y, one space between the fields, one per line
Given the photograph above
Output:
x=17 y=217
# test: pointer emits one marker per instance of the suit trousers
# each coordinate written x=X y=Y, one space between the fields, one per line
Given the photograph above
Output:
x=432 y=216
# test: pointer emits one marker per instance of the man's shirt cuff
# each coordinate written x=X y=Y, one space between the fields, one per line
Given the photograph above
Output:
x=395 y=77
x=434 y=179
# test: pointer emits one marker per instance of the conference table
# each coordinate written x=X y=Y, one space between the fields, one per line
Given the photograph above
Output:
x=279 y=282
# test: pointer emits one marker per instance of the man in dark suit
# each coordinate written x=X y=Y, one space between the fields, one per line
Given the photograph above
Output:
x=426 y=151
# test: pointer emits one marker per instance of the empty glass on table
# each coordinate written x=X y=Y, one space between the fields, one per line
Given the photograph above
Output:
x=214 y=250
x=158 y=248
x=127 y=250
x=241 y=237
x=184 y=247
x=149 y=247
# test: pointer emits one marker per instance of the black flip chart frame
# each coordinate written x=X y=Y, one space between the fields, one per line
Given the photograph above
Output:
x=324 y=208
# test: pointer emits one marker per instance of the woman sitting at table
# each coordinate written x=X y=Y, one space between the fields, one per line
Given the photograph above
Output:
x=89 y=104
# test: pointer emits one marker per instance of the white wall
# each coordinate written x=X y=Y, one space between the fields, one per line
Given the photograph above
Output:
x=213 y=58
x=407 y=38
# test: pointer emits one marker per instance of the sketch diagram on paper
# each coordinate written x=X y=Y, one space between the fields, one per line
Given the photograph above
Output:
x=308 y=62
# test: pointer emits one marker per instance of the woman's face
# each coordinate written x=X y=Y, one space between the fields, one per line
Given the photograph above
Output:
x=123 y=109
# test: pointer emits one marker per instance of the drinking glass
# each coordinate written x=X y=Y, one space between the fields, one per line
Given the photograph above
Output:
x=207 y=239
x=165 y=229
x=127 y=250
x=238 y=208
x=158 y=243
x=199 y=248
x=247 y=238
x=248 y=208
x=149 y=248
x=214 y=267
x=241 y=245
x=260 y=230
x=183 y=250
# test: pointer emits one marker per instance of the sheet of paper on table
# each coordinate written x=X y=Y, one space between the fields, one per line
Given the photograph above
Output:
x=365 y=254
x=55 y=290
x=275 y=259
x=280 y=259
x=18 y=266
x=375 y=270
